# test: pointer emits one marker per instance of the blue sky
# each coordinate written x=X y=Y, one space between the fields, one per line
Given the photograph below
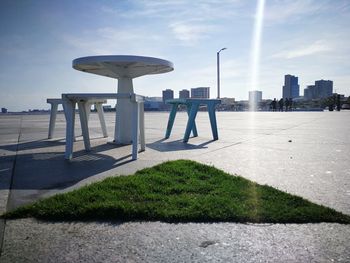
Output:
x=39 y=40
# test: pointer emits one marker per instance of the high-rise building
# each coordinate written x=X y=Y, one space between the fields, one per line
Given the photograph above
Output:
x=168 y=94
x=200 y=93
x=321 y=89
x=291 y=87
x=324 y=88
x=310 y=92
x=184 y=94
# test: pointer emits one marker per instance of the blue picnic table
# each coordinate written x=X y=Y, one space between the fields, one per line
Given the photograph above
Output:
x=192 y=106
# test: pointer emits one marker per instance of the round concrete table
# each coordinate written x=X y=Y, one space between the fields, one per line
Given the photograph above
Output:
x=123 y=68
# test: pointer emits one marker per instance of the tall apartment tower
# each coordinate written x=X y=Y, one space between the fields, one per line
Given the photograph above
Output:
x=310 y=92
x=184 y=94
x=323 y=88
x=291 y=87
x=168 y=94
x=200 y=93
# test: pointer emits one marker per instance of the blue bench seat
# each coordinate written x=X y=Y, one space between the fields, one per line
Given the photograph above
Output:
x=192 y=106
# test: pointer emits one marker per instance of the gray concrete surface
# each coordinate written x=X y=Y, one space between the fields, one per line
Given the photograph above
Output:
x=307 y=154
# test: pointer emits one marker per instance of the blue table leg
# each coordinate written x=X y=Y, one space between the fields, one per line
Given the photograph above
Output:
x=171 y=120
x=212 y=117
x=190 y=122
x=194 y=130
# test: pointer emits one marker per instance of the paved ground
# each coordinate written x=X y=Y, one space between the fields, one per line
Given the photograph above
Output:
x=307 y=154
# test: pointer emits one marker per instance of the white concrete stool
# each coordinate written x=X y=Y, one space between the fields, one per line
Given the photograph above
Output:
x=83 y=100
x=53 y=113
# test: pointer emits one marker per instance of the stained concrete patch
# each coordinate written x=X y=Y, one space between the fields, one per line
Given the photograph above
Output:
x=34 y=241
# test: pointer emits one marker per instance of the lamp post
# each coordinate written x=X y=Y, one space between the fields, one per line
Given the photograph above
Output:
x=218 y=69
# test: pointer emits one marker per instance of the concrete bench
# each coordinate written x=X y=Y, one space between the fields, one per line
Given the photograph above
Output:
x=83 y=100
x=192 y=109
x=53 y=113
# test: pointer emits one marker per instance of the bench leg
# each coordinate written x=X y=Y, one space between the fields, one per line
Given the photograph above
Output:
x=102 y=119
x=171 y=120
x=190 y=122
x=212 y=117
x=69 y=112
x=53 y=114
x=194 y=130
x=84 y=108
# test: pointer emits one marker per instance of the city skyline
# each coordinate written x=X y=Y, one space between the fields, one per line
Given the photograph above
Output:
x=290 y=89
x=39 y=40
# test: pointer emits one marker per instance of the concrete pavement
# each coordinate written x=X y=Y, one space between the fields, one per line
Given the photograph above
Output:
x=307 y=154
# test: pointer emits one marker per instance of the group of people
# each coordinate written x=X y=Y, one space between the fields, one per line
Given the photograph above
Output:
x=282 y=104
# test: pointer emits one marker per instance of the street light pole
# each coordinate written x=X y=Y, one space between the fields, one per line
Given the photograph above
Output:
x=218 y=69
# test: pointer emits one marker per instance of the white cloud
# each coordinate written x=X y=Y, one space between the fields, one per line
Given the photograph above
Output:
x=189 y=21
x=314 y=48
x=286 y=10
x=109 y=40
x=173 y=10
x=117 y=34
x=190 y=33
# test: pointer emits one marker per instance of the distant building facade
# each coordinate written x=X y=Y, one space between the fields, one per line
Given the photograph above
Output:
x=255 y=96
x=200 y=93
x=321 y=89
x=324 y=88
x=310 y=92
x=3 y=110
x=168 y=94
x=184 y=94
x=291 y=87
x=153 y=104
x=227 y=104
x=227 y=100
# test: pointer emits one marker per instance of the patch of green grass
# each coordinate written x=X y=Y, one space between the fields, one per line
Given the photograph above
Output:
x=180 y=191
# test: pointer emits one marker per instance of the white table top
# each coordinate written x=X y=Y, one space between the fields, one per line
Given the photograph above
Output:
x=121 y=66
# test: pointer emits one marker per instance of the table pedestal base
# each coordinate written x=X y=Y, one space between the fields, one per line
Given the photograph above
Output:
x=124 y=108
